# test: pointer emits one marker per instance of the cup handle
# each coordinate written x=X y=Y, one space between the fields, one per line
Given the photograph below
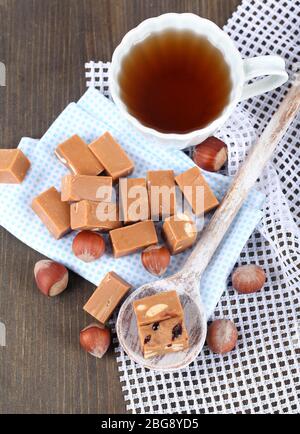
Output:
x=272 y=66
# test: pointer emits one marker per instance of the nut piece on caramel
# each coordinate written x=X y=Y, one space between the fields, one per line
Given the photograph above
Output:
x=156 y=310
x=180 y=233
x=158 y=307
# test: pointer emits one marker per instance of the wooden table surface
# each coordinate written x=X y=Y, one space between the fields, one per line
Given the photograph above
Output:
x=44 y=45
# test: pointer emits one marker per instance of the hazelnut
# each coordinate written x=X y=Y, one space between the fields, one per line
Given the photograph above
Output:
x=156 y=259
x=156 y=309
x=222 y=336
x=51 y=277
x=211 y=154
x=88 y=246
x=95 y=339
x=248 y=279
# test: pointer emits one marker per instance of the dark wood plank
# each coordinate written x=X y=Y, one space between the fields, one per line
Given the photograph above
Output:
x=44 y=44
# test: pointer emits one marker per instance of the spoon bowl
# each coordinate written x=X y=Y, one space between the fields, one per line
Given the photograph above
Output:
x=195 y=322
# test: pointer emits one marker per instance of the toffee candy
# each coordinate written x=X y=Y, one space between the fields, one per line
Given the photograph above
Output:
x=76 y=156
x=160 y=321
x=191 y=183
x=14 y=166
x=132 y=238
x=180 y=233
x=162 y=193
x=158 y=307
x=54 y=213
x=83 y=187
x=163 y=337
x=106 y=297
x=94 y=216
x=112 y=156
x=134 y=199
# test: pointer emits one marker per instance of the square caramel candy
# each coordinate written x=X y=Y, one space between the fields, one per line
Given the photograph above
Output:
x=132 y=238
x=157 y=307
x=84 y=187
x=134 y=200
x=74 y=153
x=107 y=297
x=112 y=156
x=180 y=233
x=54 y=213
x=14 y=166
x=94 y=216
x=194 y=188
x=162 y=193
x=162 y=337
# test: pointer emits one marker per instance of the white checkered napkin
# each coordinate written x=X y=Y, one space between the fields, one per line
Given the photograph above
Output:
x=17 y=216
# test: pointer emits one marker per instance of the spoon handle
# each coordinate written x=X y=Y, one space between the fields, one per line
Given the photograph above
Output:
x=244 y=180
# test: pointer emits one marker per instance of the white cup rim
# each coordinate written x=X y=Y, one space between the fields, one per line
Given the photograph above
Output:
x=128 y=41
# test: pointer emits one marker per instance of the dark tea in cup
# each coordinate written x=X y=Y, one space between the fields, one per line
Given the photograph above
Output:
x=175 y=81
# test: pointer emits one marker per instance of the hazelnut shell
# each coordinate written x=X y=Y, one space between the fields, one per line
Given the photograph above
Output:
x=95 y=339
x=248 y=279
x=88 y=246
x=222 y=336
x=156 y=259
x=51 y=277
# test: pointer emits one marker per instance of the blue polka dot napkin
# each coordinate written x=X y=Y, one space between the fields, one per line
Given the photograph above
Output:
x=89 y=118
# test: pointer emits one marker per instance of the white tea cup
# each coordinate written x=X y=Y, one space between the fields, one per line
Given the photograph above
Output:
x=241 y=70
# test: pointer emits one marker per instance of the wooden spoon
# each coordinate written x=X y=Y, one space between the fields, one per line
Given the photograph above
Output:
x=186 y=282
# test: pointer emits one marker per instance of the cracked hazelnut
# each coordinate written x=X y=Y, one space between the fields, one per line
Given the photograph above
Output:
x=222 y=336
x=88 y=246
x=51 y=277
x=248 y=279
x=95 y=339
x=211 y=154
x=156 y=259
